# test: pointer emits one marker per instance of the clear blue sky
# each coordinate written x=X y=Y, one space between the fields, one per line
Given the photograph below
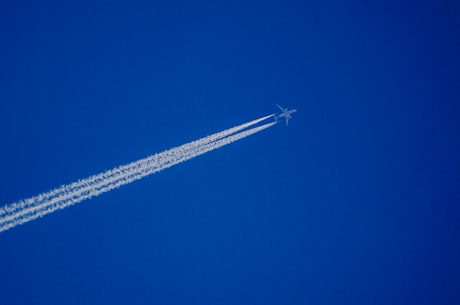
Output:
x=355 y=202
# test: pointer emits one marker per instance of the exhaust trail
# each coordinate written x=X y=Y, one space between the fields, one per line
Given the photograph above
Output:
x=95 y=180
x=29 y=209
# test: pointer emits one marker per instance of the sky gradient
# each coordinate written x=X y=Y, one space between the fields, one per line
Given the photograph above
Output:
x=355 y=202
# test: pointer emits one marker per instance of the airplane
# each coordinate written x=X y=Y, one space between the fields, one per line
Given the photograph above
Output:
x=286 y=114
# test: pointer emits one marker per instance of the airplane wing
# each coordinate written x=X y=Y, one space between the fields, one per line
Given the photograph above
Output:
x=282 y=109
x=287 y=120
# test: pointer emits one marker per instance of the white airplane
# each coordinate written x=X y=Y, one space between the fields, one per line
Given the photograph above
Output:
x=286 y=114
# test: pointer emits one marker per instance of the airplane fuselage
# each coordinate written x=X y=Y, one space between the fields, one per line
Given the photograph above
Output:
x=286 y=113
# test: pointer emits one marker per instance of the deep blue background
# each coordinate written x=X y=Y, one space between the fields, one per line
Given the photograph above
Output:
x=356 y=202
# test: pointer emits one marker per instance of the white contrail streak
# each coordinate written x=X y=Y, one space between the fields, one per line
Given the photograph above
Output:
x=26 y=210
x=121 y=170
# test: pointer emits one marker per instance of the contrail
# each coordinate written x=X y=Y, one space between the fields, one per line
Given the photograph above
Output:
x=29 y=209
x=119 y=171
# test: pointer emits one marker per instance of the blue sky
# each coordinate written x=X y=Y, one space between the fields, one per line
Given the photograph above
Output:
x=355 y=202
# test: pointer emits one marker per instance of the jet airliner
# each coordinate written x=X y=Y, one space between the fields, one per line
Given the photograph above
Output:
x=286 y=114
